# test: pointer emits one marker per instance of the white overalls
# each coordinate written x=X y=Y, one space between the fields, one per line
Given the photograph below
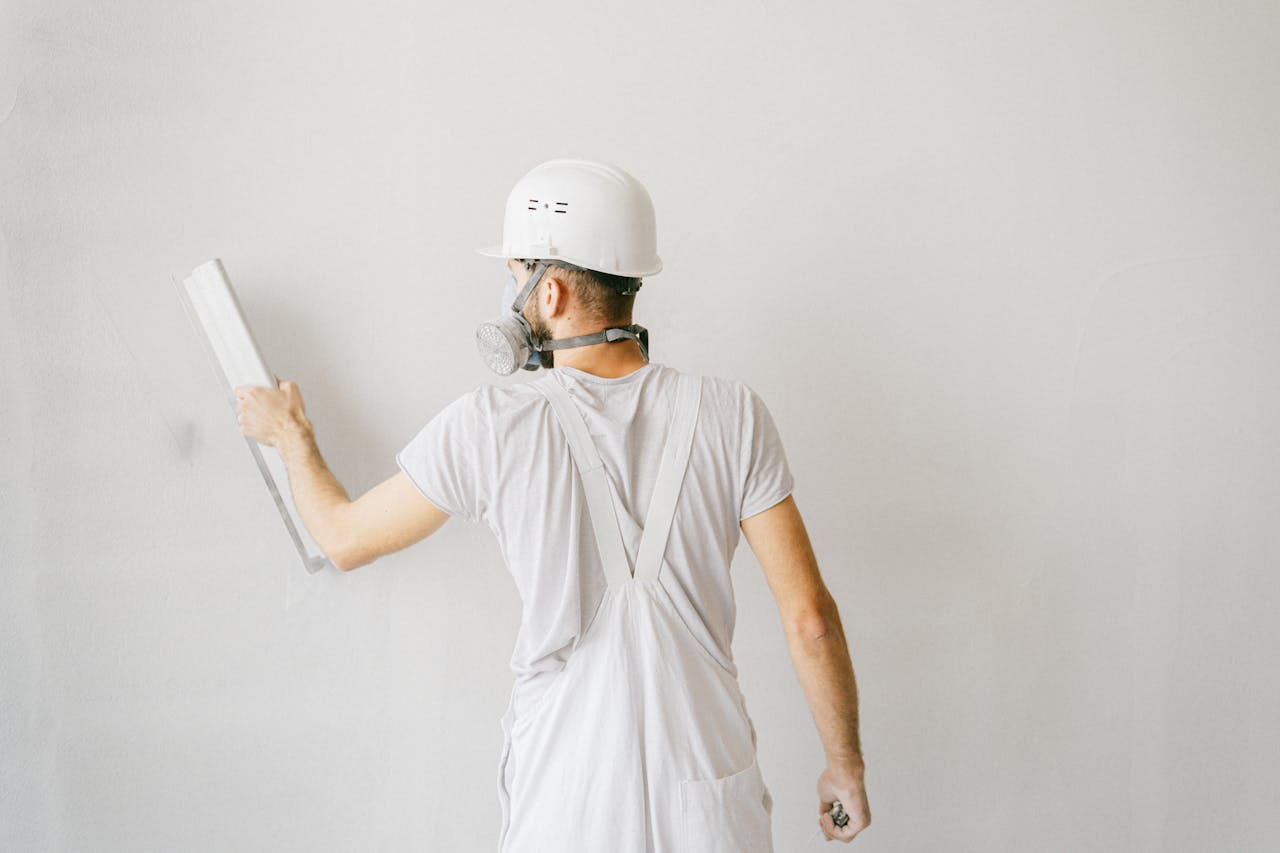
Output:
x=642 y=742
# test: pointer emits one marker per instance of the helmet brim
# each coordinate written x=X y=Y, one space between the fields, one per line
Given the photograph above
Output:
x=500 y=252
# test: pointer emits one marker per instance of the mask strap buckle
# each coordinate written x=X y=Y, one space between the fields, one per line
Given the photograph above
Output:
x=634 y=332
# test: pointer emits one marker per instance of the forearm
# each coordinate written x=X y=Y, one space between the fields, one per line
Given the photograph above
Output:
x=823 y=666
x=317 y=494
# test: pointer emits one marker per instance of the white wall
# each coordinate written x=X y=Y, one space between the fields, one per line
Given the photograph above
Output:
x=1006 y=273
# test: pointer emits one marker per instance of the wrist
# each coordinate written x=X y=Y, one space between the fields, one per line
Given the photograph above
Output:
x=851 y=766
x=297 y=431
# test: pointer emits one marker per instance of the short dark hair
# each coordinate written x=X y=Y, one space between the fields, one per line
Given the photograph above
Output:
x=600 y=293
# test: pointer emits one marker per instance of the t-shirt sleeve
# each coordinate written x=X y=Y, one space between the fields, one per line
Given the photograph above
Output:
x=444 y=459
x=766 y=477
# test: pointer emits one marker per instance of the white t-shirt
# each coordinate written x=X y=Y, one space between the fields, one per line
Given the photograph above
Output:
x=498 y=455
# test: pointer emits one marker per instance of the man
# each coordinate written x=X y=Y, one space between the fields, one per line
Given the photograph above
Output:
x=617 y=488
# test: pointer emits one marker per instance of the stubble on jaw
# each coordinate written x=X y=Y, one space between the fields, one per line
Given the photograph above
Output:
x=542 y=333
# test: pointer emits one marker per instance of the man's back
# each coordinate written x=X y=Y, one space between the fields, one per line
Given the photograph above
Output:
x=497 y=455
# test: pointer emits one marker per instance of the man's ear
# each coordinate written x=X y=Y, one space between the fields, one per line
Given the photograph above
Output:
x=558 y=291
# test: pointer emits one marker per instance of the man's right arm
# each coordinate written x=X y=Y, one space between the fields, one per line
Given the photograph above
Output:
x=815 y=636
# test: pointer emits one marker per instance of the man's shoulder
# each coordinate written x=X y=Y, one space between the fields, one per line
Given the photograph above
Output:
x=494 y=400
x=724 y=391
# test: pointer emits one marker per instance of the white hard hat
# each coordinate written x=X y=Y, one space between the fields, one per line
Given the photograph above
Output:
x=584 y=212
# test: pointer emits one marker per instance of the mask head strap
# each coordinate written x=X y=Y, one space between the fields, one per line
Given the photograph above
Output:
x=634 y=332
x=523 y=295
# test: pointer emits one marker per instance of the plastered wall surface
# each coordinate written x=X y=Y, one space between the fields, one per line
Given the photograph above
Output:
x=1006 y=274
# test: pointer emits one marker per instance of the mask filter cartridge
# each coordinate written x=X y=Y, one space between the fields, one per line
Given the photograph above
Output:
x=506 y=342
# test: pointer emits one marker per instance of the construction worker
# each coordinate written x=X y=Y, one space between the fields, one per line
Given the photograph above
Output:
x=617 y=487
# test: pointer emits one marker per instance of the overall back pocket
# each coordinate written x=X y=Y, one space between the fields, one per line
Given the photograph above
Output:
x=731 y=814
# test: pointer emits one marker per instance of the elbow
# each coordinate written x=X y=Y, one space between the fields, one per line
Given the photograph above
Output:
x=349 y=565
x=818 y=623
x=814 y=629
x=345 y=560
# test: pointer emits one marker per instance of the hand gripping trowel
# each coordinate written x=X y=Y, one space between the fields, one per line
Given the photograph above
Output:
x=216 y=314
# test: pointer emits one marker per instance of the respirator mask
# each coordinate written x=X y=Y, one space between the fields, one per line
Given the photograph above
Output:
x=507 y=343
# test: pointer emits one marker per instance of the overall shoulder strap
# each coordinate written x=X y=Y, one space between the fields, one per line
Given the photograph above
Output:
x=675 y=462
x=595 y=480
